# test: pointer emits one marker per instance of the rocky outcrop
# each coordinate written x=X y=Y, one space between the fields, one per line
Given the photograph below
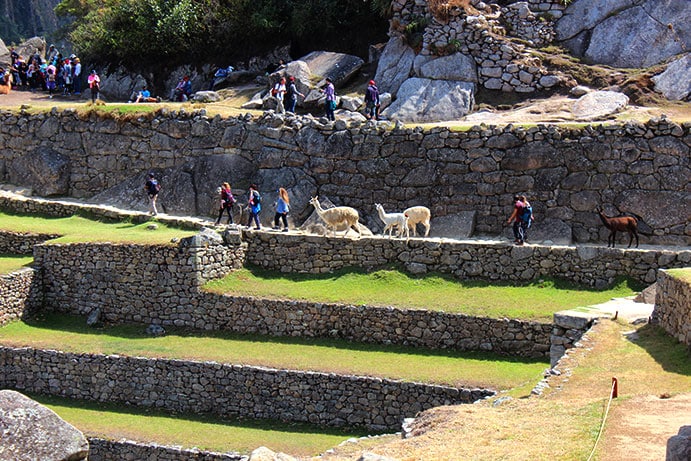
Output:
x=28 y=18
x=26 y=49
x=598 y=105
x=31 y=431
x=425 y=100
x=626 y=33
x=395 y=65
x=675 y=81
x=44 y=170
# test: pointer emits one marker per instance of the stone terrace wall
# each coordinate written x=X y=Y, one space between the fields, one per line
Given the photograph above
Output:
x=590 y=266
x=673 y=306
x=18 y=243
x=79 y=278
x=566 y=172
x=226 y=390
x=111 y=450
x=20 y=294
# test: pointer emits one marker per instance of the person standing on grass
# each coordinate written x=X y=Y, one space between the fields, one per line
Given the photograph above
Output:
x=282 y=208
x=152 y=188
x=94 y=85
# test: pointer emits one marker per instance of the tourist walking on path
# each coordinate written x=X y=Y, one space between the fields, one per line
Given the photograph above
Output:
x=279 y=91
x=372 y=103
x=282 y=209
x=330 y=103
x=293 y=94
x=254 y=206
x=522 y=218
x=77 y=76
x=94 y=85
x=227 y=201
x=152 y=188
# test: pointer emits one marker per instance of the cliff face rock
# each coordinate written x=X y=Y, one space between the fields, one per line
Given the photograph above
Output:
x=626 y=33
x=21 y=19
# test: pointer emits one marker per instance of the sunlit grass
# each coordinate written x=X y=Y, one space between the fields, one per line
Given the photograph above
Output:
x=70 y=334
x=205 y=432
x=535 y=301
x=79 y=229
x=11 y=263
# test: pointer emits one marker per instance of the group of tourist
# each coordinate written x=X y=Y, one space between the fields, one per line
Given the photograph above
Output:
x=51 y=73
x=226 y=201
x=254 y=206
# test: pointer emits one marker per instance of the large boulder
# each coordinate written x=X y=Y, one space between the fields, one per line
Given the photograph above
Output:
x=626 y=33
x=189 y=189
x=25 y=49
x=395 y=65
x=338 y=67
x=679 y=446
x=455 y=66
x=598 y=105
x=31 y=431
x=121 y=86
x=424 y=100
x=456 y=226
x=44 y=170
x=5 y=59
x=675 y=81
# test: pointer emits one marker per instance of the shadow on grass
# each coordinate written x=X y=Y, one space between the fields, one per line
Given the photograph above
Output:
x=672 y=355
x=77 y=324
x=266 y=425
x=391 y=271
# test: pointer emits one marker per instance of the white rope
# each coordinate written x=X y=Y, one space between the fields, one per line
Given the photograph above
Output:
x=604 y=418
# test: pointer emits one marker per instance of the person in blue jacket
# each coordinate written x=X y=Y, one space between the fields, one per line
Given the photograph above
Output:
x=255 y=207
x=282 y=208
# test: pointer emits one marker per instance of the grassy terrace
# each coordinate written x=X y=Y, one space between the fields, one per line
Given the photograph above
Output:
x=80 y=229
x=70 y=334
x=11 y=263
x=534 y=301
x=116 y=422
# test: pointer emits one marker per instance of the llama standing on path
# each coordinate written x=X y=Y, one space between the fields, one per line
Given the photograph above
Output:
x=620 y=224
x=418 y=214
x=334 y=217
x=391 y=220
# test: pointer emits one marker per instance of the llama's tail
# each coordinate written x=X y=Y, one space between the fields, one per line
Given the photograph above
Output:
x=643 y=227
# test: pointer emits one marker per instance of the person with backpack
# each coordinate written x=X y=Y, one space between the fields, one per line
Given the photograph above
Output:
x=227 y=202
x=278 y=92
x=152 y=188
x=522 y=218
x=330 y=102
x=372 y=102
x=292 y=95
x=254 y=206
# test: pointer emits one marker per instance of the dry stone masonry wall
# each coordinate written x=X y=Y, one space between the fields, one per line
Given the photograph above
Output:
x=586 y=265
x=20 y=295
x=673 y=306
x=226 y=390
x=18 y=243
x=111 y=450
x=566 y=172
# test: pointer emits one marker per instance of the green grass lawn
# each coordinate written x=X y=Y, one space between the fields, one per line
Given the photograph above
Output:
x=70 y=334
x=116 y=422
x=534 y=301
x=79 y=229
x=11 y=263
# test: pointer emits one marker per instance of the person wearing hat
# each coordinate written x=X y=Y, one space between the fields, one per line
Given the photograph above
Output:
x=152 y=188
x=293 y=94
x=77 y=76
x=372 y=103
x=95 y=85
x=330 y=103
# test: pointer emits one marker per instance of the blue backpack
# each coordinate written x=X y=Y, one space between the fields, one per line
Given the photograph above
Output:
x=527 y=214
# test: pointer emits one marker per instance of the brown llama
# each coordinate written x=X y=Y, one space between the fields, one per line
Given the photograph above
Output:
x=620 y=224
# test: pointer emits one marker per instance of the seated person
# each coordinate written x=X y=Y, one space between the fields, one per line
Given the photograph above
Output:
x=182 y=91
x=145 y=96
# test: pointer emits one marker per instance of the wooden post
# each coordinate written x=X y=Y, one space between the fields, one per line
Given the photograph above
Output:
x=615 y=388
